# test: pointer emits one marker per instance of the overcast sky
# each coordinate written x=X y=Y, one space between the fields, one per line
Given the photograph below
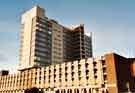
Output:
x=112 y=23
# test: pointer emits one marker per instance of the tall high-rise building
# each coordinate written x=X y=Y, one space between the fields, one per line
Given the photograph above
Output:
x=76 y=44
x=35 y=39
x=44 y=41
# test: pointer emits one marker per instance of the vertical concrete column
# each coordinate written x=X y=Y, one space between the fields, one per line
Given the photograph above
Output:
x=60 y=90
x=80 y=90
x=66 y=90
x=73 y=90
x=87 y=90
x=94 y=91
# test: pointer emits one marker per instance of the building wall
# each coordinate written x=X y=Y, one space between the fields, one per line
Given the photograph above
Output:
x=44 y=41
x=76 y=45
x=132 y=80
x=57 y=42
x=88 y=46
x=110 y=73
x=126 y=82
x=75 y=76
x=67 y=44
x=41 y=41
x=27 y=36
x=119 y=74
x=78 y=42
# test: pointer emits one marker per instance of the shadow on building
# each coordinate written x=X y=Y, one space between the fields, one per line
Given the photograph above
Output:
x=33 y=90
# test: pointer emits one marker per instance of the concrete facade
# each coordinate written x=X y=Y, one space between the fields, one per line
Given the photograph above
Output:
x=69 y=76
x=92 y=75
x=35 y=49
x=43 y=41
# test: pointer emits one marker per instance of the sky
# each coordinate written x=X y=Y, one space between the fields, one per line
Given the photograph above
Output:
x=112 y=23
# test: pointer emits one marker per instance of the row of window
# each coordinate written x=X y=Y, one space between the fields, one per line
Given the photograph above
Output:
x=58 y=76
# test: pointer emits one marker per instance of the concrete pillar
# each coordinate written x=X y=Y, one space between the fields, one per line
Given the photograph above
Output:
x=80 y=90
x=94 y=91
x=87 y=90
x=73 y=90
x=66 y=90
x=60 y=91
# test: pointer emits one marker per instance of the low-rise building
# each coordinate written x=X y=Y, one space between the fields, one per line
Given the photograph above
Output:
x=110 y=73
